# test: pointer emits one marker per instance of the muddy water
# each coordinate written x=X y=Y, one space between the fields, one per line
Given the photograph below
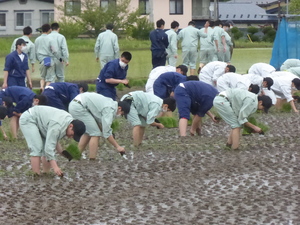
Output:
x=169 y=180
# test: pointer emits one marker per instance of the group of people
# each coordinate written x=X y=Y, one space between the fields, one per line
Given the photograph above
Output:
x=67 y=109
x=215 y=44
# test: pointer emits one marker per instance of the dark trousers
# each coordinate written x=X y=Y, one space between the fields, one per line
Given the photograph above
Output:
x=158 y=59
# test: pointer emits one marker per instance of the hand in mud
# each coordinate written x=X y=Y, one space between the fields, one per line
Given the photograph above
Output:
x=216 y=119
x=121 y=150
x=257 y=129
x=58 y=171
x=160 y=126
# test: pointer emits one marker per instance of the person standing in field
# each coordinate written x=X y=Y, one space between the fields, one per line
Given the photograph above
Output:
x=159 y=43
x=107 y=46
x=45 y=54
x=60 y=44
x=172 y=48
x=207 y=47
x=190 y=37
x=113 y=73
x=220 y=40
x=30 y=47
x=16 y=67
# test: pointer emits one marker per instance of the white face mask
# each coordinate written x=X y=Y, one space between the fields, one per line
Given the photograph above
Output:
x=24 y=48
x=294 y=89
x=122 y=64
x=118 y=115
x=164 y=110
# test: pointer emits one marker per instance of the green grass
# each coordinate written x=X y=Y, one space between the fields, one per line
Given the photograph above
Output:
x=83 y=65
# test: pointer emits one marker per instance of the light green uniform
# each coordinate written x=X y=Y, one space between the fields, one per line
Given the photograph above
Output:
x=60 y=44
x=30 y=51
x=145 y=107
x=107 y=47
x=218 y=34
x=43 y=127
x=44 y=47
x=207 y=47
x=236 y=107
x=190 y=38
x=229 y=44
x=95 y=111
x=172 y=47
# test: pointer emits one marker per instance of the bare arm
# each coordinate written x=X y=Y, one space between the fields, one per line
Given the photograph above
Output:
x=253 y=127
x=116 y=81
x=292 y=103
x=29 y=79
x=115 y=144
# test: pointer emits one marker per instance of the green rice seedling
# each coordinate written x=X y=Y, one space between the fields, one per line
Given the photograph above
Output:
x=120 y=87
x=168 y=122
x=262 y=126
x=74 y=151
x=92 y=87
x=36 y=91
x=286 y=107
x=115 y=126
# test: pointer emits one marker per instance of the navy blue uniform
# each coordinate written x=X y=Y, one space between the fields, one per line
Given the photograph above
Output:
x=60 y=94
x=111 y=70
x=159 y=43
x=194 y=97
x=166 y=83
x=21 y=96
x=16 y=69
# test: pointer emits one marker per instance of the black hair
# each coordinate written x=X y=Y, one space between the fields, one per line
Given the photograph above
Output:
x=109 y=26
x=27 y=30
x=218 y=22
x=254 y=88
x=45 y=28
x=160 y=23
x=125 y=105
x=126 y=55
x=183 y=68
x=266 y=102
x=174 y=24
x=3 y=112
x=211 y=23
x=171 y=102
x=192 y=77
x=54 y=26
x=8 y=101
x=192 y=23
x=231 y=68
x=42 y=99
x=84 y=86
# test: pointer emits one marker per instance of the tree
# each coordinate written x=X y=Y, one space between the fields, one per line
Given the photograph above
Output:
x=94 y=17
x=294 y=7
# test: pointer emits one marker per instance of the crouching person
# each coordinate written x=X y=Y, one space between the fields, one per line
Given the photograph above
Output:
x=144 y=108
x=97 y=112
x=194 y=97
x=43 y=127
x=235 y=106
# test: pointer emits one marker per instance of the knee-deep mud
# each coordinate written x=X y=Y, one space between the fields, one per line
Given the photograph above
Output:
x=168 y=180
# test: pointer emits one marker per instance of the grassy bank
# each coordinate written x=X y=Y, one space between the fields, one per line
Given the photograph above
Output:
x=83 y=65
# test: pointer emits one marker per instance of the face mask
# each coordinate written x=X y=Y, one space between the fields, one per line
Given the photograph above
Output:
x=118 y=115
x=24 y=48
x=122 y=64
x=164 y=110
x=294 y=89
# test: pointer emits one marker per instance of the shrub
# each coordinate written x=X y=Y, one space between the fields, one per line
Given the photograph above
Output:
x=252 y=30
x=70 y=28
x=237 y=34
x=269 y=34
x=254 y=38
x=142 y=29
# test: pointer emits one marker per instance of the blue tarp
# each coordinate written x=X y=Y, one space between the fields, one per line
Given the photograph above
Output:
x=287 y=43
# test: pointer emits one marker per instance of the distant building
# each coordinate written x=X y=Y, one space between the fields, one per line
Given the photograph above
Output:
x=17 y=14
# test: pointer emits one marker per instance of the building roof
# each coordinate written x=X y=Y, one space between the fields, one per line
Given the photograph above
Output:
x=238 y=11
x=50 y=1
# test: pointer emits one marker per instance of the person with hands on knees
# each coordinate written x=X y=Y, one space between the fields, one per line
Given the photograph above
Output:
x=113 y=73
x=235 y=106
x=144 y=109
x=16 y=67
x=194 y=97
x=43 y=127
x=97 y=112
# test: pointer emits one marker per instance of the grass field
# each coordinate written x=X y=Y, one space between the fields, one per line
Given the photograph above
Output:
x=83 y=65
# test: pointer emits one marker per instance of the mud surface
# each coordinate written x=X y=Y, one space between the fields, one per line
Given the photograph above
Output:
x=168 y=180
